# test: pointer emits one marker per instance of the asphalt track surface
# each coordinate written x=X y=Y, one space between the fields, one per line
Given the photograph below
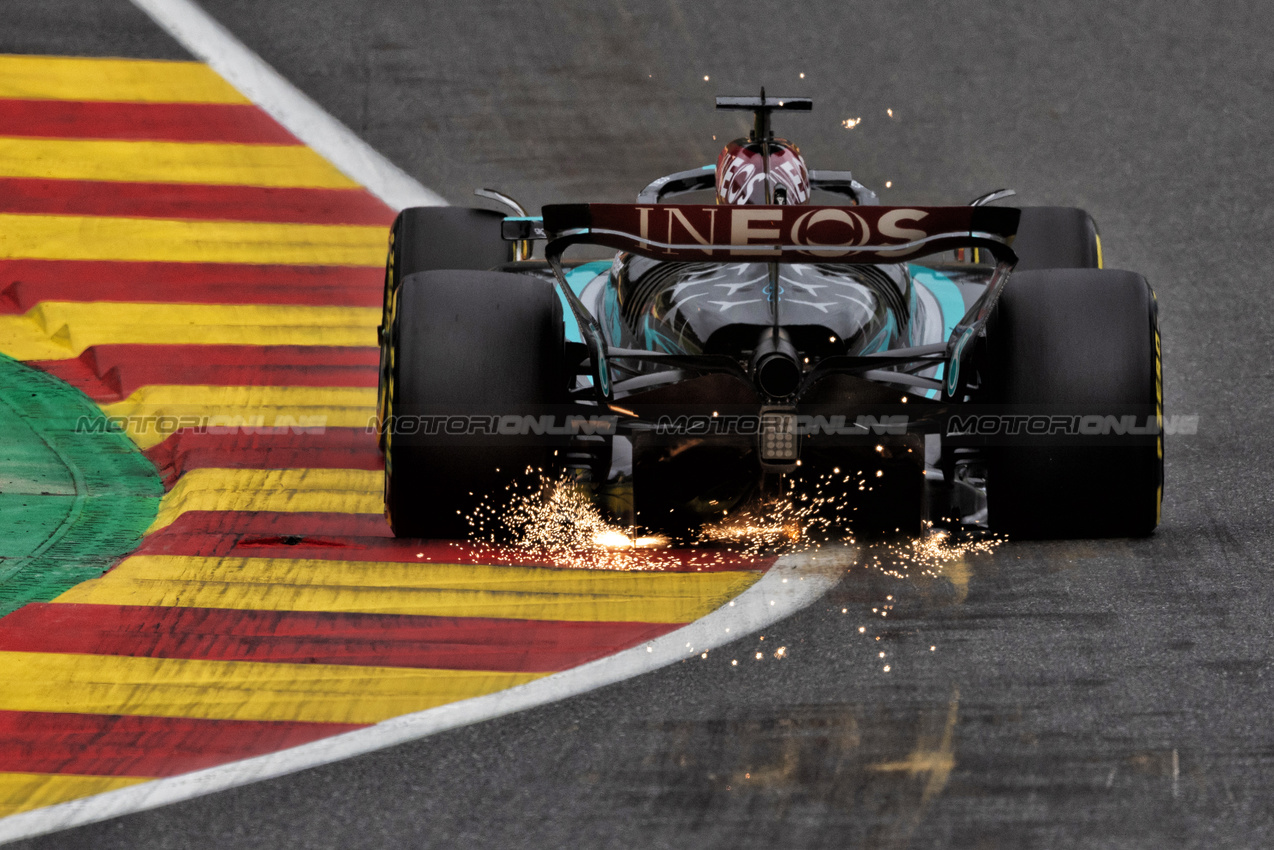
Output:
x=1092 y=693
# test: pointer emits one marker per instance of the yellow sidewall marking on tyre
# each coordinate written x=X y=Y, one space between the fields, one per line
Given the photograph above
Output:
x=119 y=80
x=1159 y=416
x=234 y=690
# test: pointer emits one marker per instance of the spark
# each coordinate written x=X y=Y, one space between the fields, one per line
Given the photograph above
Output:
x=705 y=78
x=889 y=112
x=851 y=123
x=781 y=652
x=554 y=521
x=928 y=555
x=889 y=184
x=802 y=75
x=611 y=538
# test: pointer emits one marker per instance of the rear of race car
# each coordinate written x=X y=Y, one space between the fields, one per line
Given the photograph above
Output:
x=748 y=351
x=761 y=359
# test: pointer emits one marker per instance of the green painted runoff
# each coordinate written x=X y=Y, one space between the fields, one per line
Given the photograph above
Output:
x=75 y=496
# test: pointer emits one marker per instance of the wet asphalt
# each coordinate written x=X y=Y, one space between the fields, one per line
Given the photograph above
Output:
x=1073 y=694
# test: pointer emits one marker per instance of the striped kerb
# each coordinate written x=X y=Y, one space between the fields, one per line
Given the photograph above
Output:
x=170 y=251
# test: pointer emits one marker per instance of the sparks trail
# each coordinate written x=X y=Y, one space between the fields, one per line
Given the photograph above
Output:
x=555 y=520
x=798 y=520
x=930 y=555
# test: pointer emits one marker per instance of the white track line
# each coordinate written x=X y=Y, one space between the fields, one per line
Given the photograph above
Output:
x=212 y=43
x=790 y=585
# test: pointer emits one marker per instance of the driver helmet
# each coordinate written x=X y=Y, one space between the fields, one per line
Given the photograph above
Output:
x=741 y=173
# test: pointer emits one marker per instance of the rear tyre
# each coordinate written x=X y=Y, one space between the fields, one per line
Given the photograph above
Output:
x=424 y=239
x=1082 y=345
x=1057 y=238
x=482 y=345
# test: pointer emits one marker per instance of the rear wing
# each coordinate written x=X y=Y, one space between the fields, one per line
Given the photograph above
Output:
x=785 y=234
x=698 y=233
x=776 y=234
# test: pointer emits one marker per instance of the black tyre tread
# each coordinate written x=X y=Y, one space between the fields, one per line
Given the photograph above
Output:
x=425 y=239
x=434 y=238
x=1082 y=342
x=481 y=343
x=1056 y=238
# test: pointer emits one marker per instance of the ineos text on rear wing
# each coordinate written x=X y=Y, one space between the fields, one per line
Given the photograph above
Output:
x=786 y=234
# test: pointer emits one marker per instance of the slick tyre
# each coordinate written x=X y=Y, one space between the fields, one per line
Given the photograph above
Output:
x=1057 y=238
x=1073 y=357
x=468 y=347
x=424 y=239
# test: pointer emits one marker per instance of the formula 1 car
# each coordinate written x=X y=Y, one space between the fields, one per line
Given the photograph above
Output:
x=973 y=366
